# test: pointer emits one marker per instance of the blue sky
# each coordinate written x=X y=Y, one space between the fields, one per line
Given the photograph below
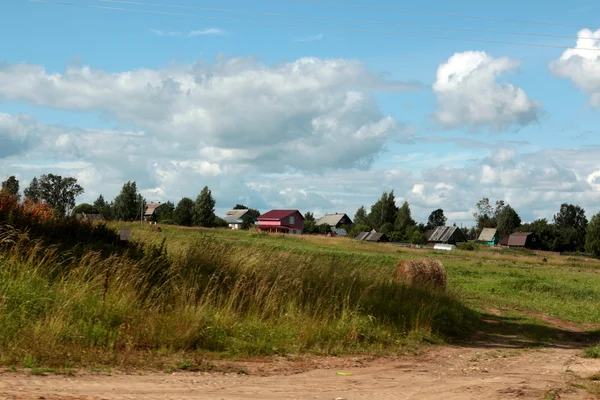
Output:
x=310 y=118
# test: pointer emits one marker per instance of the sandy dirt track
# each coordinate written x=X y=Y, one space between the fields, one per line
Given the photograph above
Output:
x=440 y=373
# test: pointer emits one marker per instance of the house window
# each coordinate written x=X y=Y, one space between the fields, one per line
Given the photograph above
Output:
x=292 y=220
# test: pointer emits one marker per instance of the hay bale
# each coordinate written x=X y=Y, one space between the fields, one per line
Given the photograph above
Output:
x=422 y=273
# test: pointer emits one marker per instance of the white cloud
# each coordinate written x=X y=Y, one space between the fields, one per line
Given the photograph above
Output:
x=15 y=134
x=312 y=38
x=469 y=94
x=310 y=114
x=208 y=32
x=581 y=66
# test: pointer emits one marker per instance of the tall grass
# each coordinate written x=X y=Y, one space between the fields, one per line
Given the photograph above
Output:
x=211 y=295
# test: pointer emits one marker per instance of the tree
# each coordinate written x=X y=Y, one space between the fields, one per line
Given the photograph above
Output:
x=251 y=211
x=592 y=237
x=204 y=209
x=436 y=218
x=545 y=231
x=184 y=212
x=384 y=210
x=85 y=208
x=103 y=207
x=59 y=193
x=361 y=217
x=571 y=224
x=486 y=215
x=33 y=192
x=100 y=202
x=128 y=205
x=508 y=220
x=404 y=218
x=309 y=217
x=11 y=185
x=165 y=212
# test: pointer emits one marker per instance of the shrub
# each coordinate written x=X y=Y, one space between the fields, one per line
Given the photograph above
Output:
x=468 y=246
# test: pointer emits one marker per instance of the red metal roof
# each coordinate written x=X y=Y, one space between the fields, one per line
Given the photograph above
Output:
x=278 y=215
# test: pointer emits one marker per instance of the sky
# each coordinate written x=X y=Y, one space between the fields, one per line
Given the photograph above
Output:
x=320 y=113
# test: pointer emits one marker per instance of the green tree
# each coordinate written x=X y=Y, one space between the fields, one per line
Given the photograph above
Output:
x=59 y=193
x=85 y=208
x=165 y=212
x=310 y=227
x=487 y=215
x=384 y=210
x=545 y=231
x=361 y=217
x=571 y=225
x=33 y=191
x=508 y=220
x=11 y=185
x=184 y=212
x=129 y=205
x=103 y=207
x=592 y=238
x=204 y=209
x=404 y=218
x=437 y=218
x=309 y=217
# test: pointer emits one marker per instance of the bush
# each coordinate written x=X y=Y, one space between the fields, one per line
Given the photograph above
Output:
x=468 y=246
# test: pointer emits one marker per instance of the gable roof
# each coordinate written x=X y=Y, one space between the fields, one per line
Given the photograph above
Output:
x=488 y=234
x=89 y=217
x=331 y=219
x=235 y=216
x=339 y=231
x=372 y=236
x=361 y=235
x=276 y=215
x=151 y=208
x=519 y=238
x=444 y=233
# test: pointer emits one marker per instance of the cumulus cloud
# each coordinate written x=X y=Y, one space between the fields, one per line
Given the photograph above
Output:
x=310 y=114
x=469 y=94
x=582 y=65
x=16 y=135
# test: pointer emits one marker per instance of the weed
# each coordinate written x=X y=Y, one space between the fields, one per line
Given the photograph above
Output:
x=592 y=352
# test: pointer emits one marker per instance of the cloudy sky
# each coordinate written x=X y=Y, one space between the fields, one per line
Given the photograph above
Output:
x=276 y=114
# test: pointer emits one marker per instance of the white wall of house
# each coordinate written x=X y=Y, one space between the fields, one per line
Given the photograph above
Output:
x=235 y=226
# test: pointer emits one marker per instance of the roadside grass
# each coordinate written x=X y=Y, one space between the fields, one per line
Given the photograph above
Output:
x=206 y=294
x=187 y=295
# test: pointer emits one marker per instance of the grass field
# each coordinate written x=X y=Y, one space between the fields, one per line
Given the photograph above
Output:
x=227 y=293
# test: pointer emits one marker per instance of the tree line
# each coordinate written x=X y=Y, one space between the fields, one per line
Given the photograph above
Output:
x=569 y=231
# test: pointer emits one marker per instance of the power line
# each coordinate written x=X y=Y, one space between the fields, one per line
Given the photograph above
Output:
x=436 y=27
x=310 y=26
x=439 y=14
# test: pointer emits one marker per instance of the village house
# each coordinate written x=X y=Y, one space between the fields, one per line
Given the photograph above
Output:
x=372 y=236
x=490 y=235
x=528 y=240
x=334 y=220
x=151 y=211
x=235 y=218
x=446 y=235
x=281 y=221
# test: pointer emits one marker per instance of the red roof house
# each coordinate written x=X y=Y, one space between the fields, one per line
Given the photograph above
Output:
x=281 y=221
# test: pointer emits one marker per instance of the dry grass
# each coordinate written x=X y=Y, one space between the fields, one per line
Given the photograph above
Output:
x=204 y=294
x=422 y=273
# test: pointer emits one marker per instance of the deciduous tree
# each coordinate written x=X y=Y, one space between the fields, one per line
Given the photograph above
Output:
x=204 y=209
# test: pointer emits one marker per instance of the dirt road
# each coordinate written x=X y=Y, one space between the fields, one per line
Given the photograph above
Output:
x=440 y=373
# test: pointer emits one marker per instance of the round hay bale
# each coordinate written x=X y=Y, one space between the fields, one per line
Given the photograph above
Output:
x=422 y=273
